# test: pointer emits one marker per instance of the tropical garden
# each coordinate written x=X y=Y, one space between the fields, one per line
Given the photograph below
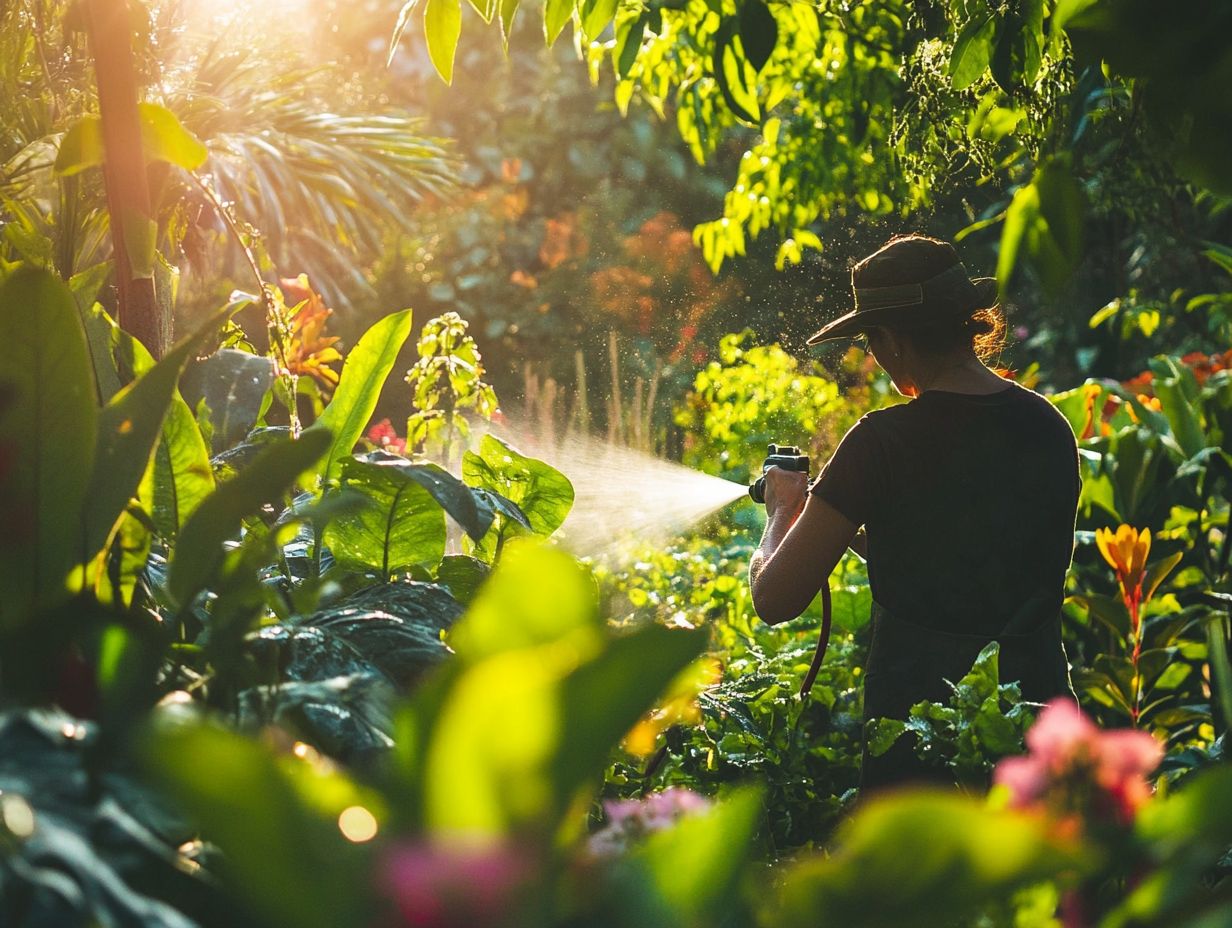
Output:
x=380 y=385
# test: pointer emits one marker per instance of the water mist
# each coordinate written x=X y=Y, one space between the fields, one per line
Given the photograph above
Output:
x=622 y=496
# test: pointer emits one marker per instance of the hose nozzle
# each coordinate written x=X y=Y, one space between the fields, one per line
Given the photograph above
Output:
x=788 y=457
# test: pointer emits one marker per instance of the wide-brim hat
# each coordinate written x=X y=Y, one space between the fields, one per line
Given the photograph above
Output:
x=949 y=296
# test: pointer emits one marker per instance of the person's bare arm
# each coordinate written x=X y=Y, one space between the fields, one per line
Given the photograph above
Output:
x=805 y=537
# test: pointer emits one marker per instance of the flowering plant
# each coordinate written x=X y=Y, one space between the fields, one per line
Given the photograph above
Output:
x=629 y=820
x=1077 y=771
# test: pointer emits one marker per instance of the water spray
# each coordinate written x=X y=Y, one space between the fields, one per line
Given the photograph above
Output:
x=624 y=498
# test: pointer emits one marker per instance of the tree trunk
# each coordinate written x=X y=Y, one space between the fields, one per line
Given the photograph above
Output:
x=133 y=225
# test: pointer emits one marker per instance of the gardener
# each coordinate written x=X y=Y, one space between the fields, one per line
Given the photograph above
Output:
x=967 y=496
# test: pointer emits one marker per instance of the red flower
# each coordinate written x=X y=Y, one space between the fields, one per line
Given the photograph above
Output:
x=383 y=436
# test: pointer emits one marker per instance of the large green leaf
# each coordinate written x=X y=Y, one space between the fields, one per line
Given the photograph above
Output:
x=972 y=50
x=535 y=596
x=364 y=372
x=539 y=697
x=182 y=473
x=1178 y=393
x=129 y=426
x=400 y=525
x=1045 y=219
x=1184 y=832
x=468 y=507
x=541 y=492
x=199 y=550
x=596 y=14
x=233 y=384
x=759 y=33
x=555 y=14
x=163 y=138
x=102 y=336
x=604 y=698
x=48 y=424
x=443 y=27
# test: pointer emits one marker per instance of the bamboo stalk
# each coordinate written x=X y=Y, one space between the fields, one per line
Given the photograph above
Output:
x=615 y=427
x=635 y=415
x=547 y=413
x=650 y=401
x=583 y=397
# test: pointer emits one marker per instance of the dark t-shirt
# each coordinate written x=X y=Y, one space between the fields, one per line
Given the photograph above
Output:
x=969 y=504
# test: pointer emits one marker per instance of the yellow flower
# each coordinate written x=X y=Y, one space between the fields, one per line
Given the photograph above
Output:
x=1126 y=551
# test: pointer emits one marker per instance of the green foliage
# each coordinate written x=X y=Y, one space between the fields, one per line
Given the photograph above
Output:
x=748 y=722
x=926 y=859
x=364 y=373
x=541 y=496
x=163 y=138
x=541 y=694
x=1158 y=461
x=984 y=721
x=200 y=549
x=691 y=874
x=232 y=385
x=1044 y=221
x=276 y=818
x=446 y=381
x=752 y=396
x=49 y=398
x=400 y=524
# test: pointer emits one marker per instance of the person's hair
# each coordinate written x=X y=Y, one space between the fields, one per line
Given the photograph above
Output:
x=910 y=259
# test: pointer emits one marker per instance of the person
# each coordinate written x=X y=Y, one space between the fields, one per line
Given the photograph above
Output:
x=967 y=495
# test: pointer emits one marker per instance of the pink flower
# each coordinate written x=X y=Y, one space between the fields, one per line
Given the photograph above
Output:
x=1074 y=767
x=1061 y=730
x=434 y=885
x=631 y=819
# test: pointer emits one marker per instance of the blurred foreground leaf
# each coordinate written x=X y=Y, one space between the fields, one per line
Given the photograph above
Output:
x=922 y=859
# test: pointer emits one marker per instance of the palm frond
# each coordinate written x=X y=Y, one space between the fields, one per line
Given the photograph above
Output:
x=307 y=177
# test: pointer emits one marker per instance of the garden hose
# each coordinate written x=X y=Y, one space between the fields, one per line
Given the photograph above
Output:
x=823 y=641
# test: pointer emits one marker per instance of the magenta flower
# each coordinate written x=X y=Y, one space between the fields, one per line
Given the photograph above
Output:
x=436 y=885
x=1072 y=766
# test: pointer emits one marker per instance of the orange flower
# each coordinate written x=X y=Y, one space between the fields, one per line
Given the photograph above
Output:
x=1126 y=551
x=511 y=170
x=309 y=350
x=562 y=240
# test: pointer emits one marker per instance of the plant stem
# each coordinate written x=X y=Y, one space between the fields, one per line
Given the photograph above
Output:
x=274 y=322
x=1134 y=601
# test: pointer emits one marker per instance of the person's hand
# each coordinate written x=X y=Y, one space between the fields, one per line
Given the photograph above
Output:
x=785 y=493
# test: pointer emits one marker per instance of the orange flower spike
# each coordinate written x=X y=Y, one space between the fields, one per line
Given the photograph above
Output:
x=1142 y=548
x=1126 y=552
x=1106 y=541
